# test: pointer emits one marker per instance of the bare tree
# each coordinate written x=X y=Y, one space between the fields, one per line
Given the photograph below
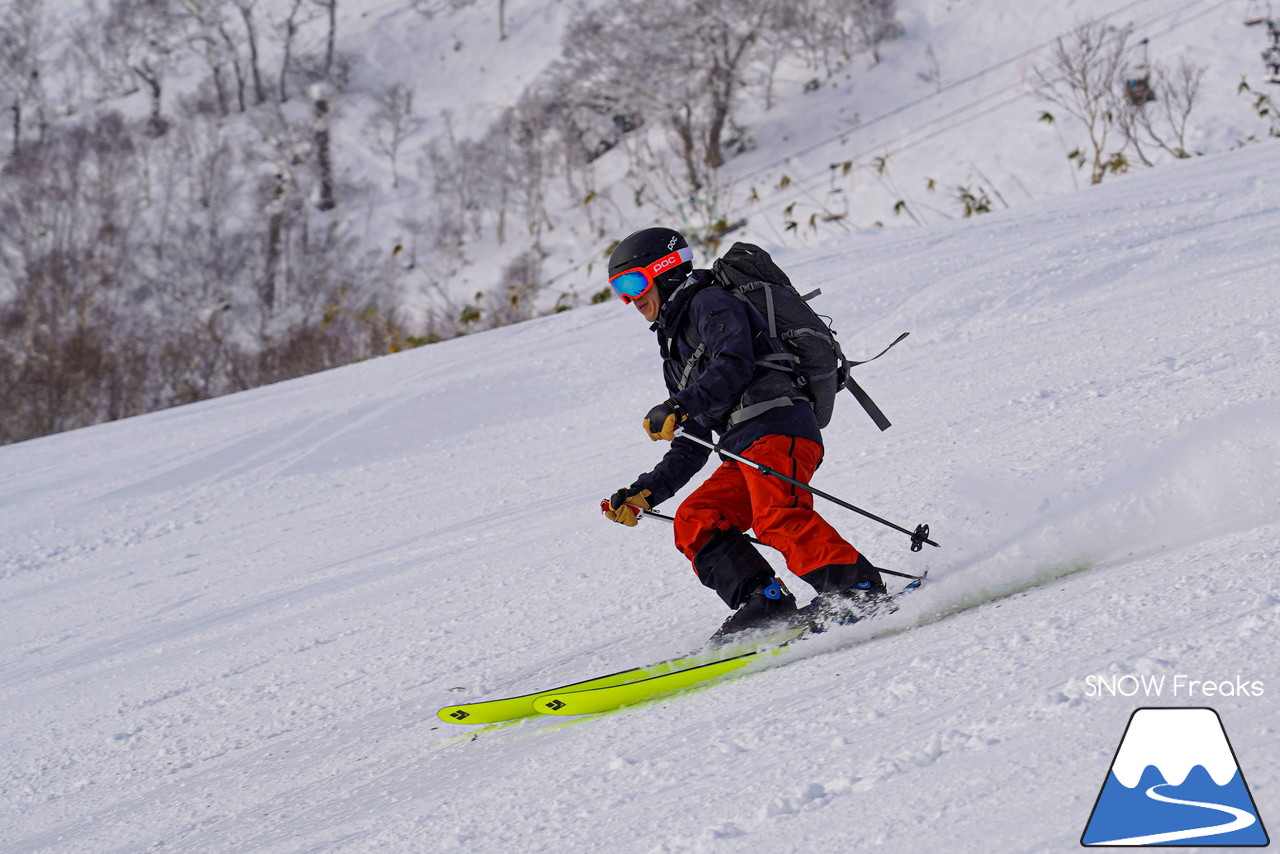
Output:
x=245 y=8
x=206 y=40
x=728 y=36
x=692 y=78
x=321 y=95
x=160 y=36
x=1164 y=120
x=512 y=302
x=521 y=146
x=330 y=8
x=24 y=37
x=287 y=31
x=140 y=270
x=70 y=256
x=103 y=45
x=460 y=174
x=1086 y=79
x=874 y=23
x=133 y=43
x=829 y=33
x=710 y=53
x=393 y=121
x=280 y=195
x=233 y=55
x=321 y=99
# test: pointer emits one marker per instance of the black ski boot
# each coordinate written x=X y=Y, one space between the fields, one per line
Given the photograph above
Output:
x=847 y=593
x=769 y=604
x=730 y=565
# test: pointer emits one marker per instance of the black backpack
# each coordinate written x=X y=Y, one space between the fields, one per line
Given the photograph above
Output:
x=805 y=345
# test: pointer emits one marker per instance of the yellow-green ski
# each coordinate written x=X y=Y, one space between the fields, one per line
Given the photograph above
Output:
x=588 y=701
x=513 y=708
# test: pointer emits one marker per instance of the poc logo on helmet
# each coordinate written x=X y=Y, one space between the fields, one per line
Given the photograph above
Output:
x=671 y=247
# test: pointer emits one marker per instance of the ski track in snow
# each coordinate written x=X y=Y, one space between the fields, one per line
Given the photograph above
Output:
x=227 y=627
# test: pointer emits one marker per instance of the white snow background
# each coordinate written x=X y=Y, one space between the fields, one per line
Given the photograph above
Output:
x=227 y=627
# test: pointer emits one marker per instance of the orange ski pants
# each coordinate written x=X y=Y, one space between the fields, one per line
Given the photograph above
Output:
x=781 y=514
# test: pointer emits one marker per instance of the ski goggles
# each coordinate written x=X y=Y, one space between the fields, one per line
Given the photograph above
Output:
x=632 y=284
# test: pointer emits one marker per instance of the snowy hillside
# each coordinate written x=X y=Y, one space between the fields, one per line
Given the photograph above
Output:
x=949 y=104
x=227 y=627
x=201 y=198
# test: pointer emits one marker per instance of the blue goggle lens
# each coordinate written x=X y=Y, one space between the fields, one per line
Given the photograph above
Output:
x=630 y=285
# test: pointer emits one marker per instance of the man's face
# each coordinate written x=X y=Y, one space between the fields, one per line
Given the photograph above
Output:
x=648 y=304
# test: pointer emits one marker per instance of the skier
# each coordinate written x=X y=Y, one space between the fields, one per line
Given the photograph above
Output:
x=714 y=346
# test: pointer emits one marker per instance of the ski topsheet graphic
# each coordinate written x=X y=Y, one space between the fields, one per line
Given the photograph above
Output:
x=1175 y=781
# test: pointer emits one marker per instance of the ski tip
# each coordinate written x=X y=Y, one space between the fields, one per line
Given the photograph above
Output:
x=454 y=715
x=493 y=711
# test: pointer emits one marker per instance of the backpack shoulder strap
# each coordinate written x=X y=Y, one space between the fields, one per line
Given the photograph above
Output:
x=690 y=364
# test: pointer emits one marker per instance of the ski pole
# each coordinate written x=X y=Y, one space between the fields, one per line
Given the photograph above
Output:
x=671 y=520
x=919 y=536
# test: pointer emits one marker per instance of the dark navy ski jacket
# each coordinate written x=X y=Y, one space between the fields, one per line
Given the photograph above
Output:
x=735 y=338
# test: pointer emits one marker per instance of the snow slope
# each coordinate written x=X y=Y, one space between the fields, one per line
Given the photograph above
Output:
x=226 y=627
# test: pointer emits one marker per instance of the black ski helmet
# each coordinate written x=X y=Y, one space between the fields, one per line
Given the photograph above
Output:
x=646 y=246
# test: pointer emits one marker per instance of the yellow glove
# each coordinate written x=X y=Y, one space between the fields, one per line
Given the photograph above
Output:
x=663 y=419
x=623 y=506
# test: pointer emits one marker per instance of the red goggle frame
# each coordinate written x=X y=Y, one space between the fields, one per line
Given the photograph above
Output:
x=632 y=284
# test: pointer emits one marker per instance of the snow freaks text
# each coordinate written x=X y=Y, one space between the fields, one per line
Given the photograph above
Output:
x=1177 y=686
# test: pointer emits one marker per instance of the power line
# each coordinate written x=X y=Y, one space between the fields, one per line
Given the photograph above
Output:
x=904 y=107
x=812 y=181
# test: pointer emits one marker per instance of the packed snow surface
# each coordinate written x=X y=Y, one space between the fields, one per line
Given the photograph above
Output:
x=227 y=627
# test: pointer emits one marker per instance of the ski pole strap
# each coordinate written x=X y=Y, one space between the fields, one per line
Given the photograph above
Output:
x=671 y=520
